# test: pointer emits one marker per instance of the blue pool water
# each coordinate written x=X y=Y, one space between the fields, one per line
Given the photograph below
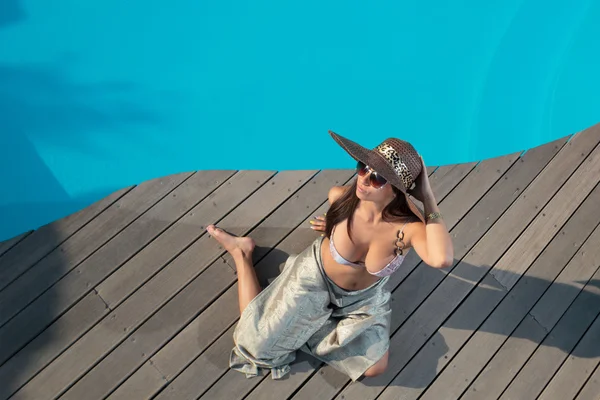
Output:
x=96 y=95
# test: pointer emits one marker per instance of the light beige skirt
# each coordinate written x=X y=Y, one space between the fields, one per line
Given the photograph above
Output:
x=302 y=309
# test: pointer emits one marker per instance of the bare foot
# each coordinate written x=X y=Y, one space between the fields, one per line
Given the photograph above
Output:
x=233 y=244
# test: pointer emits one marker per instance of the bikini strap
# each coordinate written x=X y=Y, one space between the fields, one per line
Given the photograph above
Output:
x=400 y=241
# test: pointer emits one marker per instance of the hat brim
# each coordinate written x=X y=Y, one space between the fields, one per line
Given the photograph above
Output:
x=379 y=164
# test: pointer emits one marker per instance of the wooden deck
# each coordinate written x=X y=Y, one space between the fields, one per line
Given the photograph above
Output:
x=130 y=299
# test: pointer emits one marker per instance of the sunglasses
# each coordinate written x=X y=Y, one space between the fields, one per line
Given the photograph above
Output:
x=375 y=180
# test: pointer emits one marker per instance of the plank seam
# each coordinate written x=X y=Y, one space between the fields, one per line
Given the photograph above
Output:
x=222 y=258
x=157 y=370
x=498 y=282
x=546 y=331
x=100 y=297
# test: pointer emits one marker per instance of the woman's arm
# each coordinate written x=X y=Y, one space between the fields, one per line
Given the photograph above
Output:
x=432 y=240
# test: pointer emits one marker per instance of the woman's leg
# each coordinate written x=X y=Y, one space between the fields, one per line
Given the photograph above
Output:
x=240 y=249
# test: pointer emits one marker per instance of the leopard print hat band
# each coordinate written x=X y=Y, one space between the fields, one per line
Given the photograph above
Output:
x=397 y=163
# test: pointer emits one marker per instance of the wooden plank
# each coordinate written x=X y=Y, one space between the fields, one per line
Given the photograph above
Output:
x=407 y=297
x=480 y=180
x=444 y=181
x=291 y=385
x=577 y=369
x=147 y=378
x=167 y=246
x=230 y=386
x=450 y=293
x=301 y=370
x=549 y=356
x=519 y=350
x=198 y=376
x=571 y=280
x=66 y=290
x=126 y=280
x=82 y=244
x=265 y=388
x=592 y=387
x=119 y=324
x=458 y=328
x=202 y=331
x=41 y=351
x=227 y=196
x=6 y=245
x=511 y=267
x=480 y=348
x=47 y=238
x=80 y=281
x=274 y=228
x=439 y=349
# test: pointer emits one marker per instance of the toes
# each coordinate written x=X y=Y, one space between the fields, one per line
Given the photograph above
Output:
x=212 y=230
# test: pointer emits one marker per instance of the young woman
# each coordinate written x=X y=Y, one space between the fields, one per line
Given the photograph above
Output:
x=330 y=300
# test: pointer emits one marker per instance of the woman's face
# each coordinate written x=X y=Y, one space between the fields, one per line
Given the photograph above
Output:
x=366 y=191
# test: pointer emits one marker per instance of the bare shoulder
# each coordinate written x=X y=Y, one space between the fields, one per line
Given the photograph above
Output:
x=335 y=192
x=413 y=229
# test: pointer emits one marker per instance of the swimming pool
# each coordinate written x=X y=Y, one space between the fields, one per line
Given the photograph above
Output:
x=98 y=95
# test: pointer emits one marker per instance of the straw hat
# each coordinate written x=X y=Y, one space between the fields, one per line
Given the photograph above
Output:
x=394 y=159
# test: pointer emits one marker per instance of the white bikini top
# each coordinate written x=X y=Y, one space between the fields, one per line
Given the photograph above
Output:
x=389 y=269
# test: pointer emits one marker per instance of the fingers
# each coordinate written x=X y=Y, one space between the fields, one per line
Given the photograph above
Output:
x=318 y=223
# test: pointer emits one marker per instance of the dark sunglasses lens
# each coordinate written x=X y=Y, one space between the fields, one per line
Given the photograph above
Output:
x=361 y=169
x=377 y=181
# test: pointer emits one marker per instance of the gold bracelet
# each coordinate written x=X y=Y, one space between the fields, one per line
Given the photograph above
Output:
x=433 y=215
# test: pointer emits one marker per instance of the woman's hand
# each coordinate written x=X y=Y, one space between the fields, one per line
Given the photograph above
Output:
x=422 y=188
x=318 y=224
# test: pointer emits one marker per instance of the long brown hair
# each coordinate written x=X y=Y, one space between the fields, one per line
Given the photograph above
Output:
x=344 y=207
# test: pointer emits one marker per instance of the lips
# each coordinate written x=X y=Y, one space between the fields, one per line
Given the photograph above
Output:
x=361 y=189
